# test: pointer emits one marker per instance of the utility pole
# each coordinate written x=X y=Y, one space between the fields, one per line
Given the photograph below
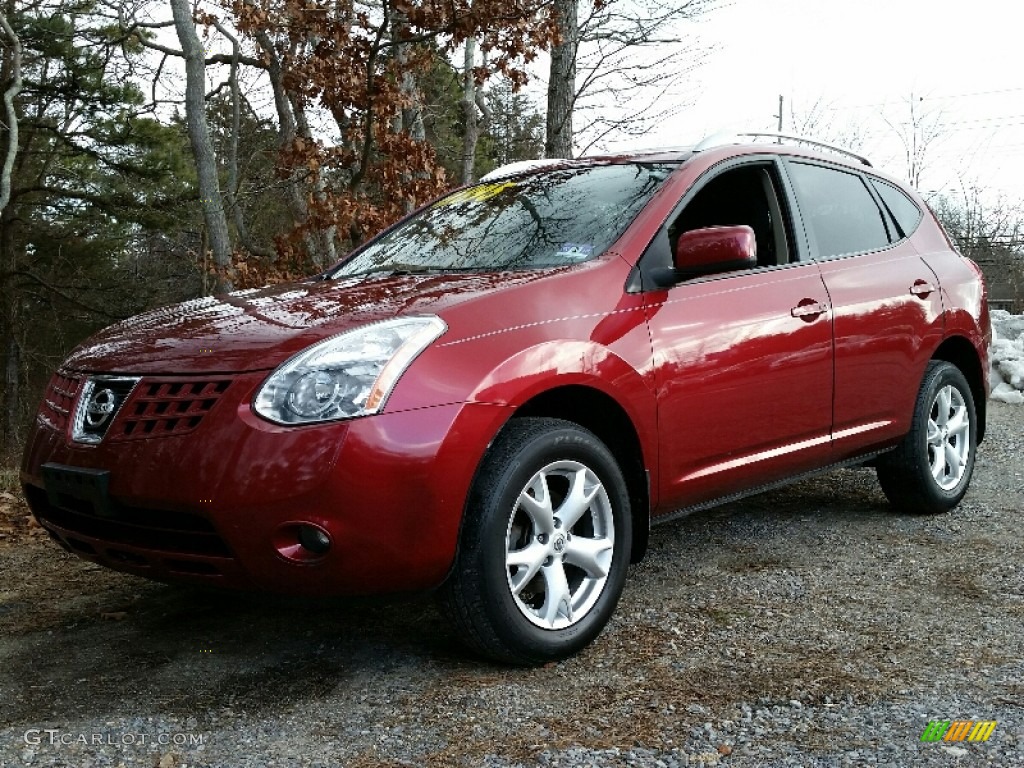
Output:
x=779 y=116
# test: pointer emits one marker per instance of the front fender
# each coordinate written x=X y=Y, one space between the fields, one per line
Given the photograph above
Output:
x=560 y=363
x=554 y=365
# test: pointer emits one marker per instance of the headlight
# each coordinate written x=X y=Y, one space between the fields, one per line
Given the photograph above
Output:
x=347 y=375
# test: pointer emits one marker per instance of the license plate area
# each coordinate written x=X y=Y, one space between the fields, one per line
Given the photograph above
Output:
x=77 y=489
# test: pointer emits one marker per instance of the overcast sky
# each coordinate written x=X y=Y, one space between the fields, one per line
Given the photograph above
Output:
x=964 y=63
x=860 y=61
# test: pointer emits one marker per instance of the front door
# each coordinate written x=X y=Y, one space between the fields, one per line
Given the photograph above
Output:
x=743 y=360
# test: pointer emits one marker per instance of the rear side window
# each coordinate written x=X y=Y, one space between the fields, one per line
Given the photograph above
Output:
x=839 y=211
x=903 y=209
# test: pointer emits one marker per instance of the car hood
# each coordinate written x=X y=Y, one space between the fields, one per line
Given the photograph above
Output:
x=258 y=329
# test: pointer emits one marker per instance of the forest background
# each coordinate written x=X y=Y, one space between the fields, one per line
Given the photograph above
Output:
x=153 y=152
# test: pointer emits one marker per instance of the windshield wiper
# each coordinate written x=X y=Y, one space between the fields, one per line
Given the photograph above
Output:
x=398 y=270
x=388 y=271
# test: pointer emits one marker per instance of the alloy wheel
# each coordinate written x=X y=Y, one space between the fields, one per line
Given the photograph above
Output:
x=949 y=444
x=559 y=544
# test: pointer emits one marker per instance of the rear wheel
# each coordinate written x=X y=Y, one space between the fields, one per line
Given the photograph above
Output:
x=930 y=470
x=545 y=544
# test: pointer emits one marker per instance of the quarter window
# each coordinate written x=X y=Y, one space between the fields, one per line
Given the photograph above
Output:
x=839 y=211
x=902 y=208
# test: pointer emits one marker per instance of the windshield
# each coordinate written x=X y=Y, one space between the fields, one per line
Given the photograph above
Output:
x=550 y=219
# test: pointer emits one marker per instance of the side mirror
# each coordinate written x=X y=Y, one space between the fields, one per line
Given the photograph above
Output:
x=715 y=249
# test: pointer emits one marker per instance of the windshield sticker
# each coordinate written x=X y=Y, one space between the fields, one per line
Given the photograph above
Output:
x=476 y=194
x=576 y=251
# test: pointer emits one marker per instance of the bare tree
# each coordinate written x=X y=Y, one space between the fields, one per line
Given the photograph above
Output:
x=918 y=130
x=562 y=93
x=978 y=221
x=476 y=113
x=471 y=131
x=990 y=230
x=202 y=145
x=818 y=122
x=614 y=67
x=231 y=187
x=12 y=71
x=408 y=119
x=132 y=18
x=286 y=134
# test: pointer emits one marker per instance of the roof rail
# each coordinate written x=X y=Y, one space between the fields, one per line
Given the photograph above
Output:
x=729 y=137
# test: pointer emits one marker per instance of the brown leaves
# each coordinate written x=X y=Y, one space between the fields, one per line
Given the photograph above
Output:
x=292 y=264
x=357 y=67
x=16 y=522
x=204 y=19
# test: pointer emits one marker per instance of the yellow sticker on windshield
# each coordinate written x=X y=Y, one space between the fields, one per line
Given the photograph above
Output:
x=476 y=194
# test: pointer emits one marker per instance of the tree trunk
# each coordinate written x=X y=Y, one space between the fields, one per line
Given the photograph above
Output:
x=202 y=146
x=325 y=252
x=12 y=70
x=9 y=348
x=232 y=184
x=562 y=83
x=12 y=390
x=410 y=119
x=472 y=131
x=286 y=131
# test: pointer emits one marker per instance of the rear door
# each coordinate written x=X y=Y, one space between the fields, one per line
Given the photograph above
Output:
x=887 y=310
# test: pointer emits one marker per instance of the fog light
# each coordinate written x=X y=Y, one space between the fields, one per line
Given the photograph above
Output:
x=301 y=542
x=314 y=539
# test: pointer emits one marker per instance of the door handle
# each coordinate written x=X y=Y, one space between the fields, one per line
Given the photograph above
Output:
x=922 y=288
x=808 y=309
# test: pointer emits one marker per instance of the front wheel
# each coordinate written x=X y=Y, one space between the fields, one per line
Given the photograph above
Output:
x=544 y=546
x=930 y=470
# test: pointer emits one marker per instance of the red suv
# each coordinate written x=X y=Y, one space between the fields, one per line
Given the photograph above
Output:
x=497 y=396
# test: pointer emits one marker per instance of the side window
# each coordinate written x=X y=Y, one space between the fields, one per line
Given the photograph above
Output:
x=838 y=209
x=903 y=209
x=744 y=195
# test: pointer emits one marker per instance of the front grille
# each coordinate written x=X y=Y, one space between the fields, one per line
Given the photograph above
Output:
x=161 y=530
x=59 y=400
x=101 y=398
x=167 y=407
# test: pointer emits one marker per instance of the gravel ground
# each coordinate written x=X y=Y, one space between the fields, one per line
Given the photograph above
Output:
x=810 y=626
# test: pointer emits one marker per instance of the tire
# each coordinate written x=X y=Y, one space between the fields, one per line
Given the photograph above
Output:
x=530 y=585
x=930 y=470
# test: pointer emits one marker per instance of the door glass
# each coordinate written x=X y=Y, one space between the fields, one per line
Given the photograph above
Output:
x=839 y=211
x=741 y=196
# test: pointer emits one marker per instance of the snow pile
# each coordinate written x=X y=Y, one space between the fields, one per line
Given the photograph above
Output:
x=1007 y=357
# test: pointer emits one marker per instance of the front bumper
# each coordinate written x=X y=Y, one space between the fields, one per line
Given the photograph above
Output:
x=213 y=503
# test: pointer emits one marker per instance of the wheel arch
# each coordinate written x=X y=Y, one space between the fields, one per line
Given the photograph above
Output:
x=600 y=413
x=961 y=352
